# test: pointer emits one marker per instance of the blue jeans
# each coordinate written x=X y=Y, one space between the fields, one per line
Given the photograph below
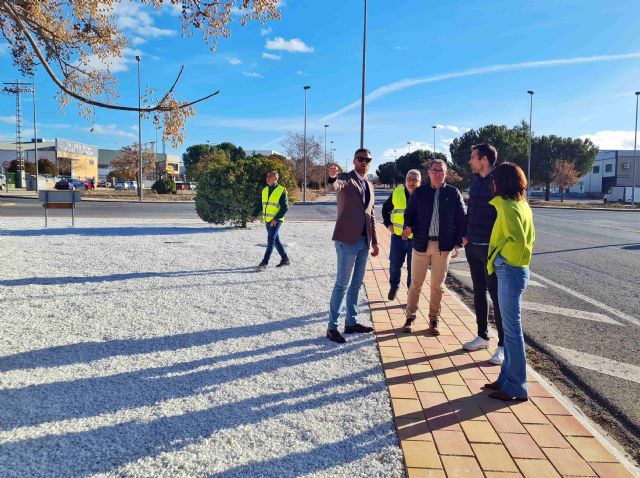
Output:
x=512 y=281
x=399 y=250
x=352 y=262
x=273 y=239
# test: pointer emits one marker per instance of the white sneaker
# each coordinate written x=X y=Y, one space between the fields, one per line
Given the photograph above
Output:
x=498 y=356
x=476 y=344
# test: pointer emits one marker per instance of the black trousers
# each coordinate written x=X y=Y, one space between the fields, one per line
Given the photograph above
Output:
x=477 y=257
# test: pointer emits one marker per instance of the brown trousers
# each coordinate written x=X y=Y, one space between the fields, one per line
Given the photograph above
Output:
x=420 y=262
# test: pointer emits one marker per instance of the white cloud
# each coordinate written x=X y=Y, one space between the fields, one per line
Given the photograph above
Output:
x=271 y=56
x=265 y=31
x=4 y=48
x=8 y=119
x=295 y=45
x=138 y=41
x=454 y=129
x=111 y=130
x=132 y=17
x=252 y=74
x=400 y=48
x=251 y=124
x=301 y=73
x=115 y=65
x=391 y=154
x=235 y=61
x=527 y=65
x=611 y=139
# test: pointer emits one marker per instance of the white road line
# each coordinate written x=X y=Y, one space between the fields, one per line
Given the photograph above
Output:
x=591 y=301
x=599 y=364
x=591 y=243
x=595 y=224
x=464 y=273
x=577 y=314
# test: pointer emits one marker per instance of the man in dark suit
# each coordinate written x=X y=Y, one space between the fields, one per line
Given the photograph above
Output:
x=354 y=233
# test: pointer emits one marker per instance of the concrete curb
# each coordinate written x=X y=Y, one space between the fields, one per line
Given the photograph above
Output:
x=586 y=208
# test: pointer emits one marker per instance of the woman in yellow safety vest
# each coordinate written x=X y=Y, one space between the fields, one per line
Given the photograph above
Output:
x=272 y=207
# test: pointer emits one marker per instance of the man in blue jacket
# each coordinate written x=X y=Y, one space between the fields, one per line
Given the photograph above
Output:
x=436 y=217
x=480 y=218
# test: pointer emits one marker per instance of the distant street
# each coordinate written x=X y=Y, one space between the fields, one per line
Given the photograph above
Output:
x=582 y=305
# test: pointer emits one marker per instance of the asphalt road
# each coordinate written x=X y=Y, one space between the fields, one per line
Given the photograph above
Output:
x=582 y=306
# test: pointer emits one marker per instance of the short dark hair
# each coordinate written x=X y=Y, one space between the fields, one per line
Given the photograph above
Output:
x=361 y=150
x=509 y=181
x=273 y=173
x=488 y=150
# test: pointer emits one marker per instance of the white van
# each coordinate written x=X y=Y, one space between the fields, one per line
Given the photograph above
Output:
x=622 y=195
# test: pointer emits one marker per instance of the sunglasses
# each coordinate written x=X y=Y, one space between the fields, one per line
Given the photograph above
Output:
x=363 y=160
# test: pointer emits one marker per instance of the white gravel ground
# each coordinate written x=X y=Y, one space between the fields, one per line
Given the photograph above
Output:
x=147 y=349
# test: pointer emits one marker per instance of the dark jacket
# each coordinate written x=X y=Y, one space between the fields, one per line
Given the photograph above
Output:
x=480 y=214
x=284 y=204
x=452 y=217
x=354 y=216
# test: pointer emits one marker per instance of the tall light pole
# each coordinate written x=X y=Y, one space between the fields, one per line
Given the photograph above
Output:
x=304 y=148
x=409 y=143
x=35 y=130
x=139 y=59
x=325 y=156
x=433 y=154
x=364 y=75
x=529 y=152
x=635 y=148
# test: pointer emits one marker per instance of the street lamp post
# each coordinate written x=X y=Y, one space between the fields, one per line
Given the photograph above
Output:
x=325 y=156
x=139 y=59
x=635 y=148
x=409 y=143
x=364 y=75
x=433 y=154
x=35 y=130
x=529 y=152
x=304 y=148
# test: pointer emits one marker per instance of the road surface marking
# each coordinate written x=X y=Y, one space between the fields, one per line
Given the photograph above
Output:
x=595 y=224
x=598 y=364
x=464 y=273
x=7 y=204
x=589 y=300
x=577 y=314
x=591 y=243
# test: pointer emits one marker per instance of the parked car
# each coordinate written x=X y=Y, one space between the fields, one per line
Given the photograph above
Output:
x=192 y=185
x=133 y=185
x=122 y=185
x=62 y=185
x=77 y=184
x=622 y=195
x=3 y=182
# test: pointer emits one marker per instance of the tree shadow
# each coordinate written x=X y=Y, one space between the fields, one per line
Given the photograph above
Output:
x=115 y=231
x=627 y=246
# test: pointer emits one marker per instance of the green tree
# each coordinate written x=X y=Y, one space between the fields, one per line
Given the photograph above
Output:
x=236 y=153
x=228 y=191
x=195 y=153
x=46 y=166
x=387 y=173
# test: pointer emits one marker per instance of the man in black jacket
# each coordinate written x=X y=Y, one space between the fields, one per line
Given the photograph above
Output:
x=436 y=217
x=480 y=218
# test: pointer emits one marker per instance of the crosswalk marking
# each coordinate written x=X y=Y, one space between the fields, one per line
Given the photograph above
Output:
x=7 y=204
x=577 y=314
x=598 y=364
x=468 y=274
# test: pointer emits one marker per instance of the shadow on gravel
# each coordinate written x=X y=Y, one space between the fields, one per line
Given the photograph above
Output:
x=115 y=231
x=143 y=433
x=629 y=246
x=120 y=277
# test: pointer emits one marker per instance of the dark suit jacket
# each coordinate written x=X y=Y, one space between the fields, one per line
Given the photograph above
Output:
x=353 y=214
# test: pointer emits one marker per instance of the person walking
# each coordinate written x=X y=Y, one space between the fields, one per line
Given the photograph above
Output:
x=353 y=235
x=510 y=249
x=273 y=206
x=480 y=219
x=435 y=216
x=393 y=218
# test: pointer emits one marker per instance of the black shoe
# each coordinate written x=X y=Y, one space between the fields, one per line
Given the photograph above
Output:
x=284 y=262
x=359 y=328
x=335 y=336
x=262 y=266
x=500 y=395
x=392 y=294
x=408 y=325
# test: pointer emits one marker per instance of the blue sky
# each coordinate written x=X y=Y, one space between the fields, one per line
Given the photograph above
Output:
x=458 y=65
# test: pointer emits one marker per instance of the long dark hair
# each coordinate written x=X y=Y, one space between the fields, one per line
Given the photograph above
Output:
x=509 y=181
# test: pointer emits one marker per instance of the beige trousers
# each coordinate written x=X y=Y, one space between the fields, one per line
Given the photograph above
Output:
x=420 y=262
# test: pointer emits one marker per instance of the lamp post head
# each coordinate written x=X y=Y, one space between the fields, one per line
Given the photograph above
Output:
x=530 y=92
x=637 y=93
x=434 y=127
x=326 y=126
x=138 y=58
x=307 y=87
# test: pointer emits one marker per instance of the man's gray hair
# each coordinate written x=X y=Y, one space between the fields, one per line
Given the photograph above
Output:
x=439 y=161
x=415 y=173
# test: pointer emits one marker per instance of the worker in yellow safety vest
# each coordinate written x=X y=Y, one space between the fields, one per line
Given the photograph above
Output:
x=272 y=207
x=393 y=218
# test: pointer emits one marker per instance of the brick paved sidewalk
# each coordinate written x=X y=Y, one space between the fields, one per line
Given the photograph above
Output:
x=446 y=424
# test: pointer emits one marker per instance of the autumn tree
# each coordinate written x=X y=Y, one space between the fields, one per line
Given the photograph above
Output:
x=68 y=37
x=46 y=166
x=294 y=147
x=124 y=166
x=564 y=176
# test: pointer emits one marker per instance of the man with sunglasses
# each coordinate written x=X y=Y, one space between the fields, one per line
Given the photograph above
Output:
x=354 y=234
x=435 y=216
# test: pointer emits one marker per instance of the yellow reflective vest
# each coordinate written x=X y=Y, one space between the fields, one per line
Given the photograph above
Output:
x=399 y=200
x=271 y=203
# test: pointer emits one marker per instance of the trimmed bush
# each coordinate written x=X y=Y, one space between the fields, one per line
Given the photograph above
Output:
x=164 y=186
